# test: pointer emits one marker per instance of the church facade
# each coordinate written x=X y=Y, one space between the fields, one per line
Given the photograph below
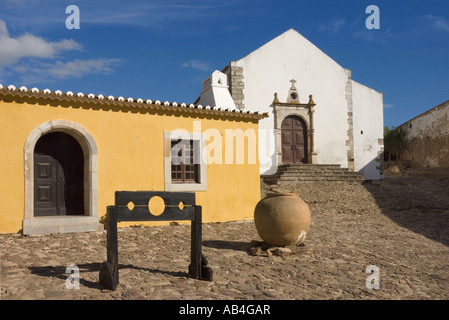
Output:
x=317 y=113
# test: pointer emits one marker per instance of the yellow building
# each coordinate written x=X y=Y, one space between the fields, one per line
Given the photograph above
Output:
x=64 y=155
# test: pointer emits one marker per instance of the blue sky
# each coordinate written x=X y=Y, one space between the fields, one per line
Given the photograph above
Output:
x=164 y=49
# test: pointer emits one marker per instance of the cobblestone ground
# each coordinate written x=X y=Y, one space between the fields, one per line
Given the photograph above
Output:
x=400 y=225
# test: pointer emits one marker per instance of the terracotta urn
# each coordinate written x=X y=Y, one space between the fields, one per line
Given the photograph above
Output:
x=282 y=219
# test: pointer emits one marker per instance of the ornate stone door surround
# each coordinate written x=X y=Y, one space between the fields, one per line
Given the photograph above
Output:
x=304 y=111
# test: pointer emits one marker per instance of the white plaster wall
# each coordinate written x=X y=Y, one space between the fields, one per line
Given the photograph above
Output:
x=367 y=118
x=290 y=56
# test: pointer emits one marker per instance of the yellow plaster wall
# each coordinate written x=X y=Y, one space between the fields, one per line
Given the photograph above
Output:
x=130 y=157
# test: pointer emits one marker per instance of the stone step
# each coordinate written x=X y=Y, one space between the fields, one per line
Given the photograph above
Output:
x=312 y=173
x=321 y=174
x=311 y=178
x=283 y=181
x=306 y=168
x=319 y=178
x=310 y=167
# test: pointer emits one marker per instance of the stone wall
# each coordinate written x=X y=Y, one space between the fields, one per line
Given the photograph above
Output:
x=236 y=84
x=350 y=140
x=428 y=138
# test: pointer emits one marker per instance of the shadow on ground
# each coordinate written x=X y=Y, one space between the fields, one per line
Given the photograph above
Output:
x=231 y=245
x=60 y=273
x=416 y=199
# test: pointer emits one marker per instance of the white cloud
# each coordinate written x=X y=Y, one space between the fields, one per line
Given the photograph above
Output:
x=15 y=1
x=22 y=56
x=154 y=14
x=197 y=64
x=40 y=71
x=438 y=23
x=333 y=26
x=388 y=106
x=383 y=36
x=79 y=68
x=29 y=46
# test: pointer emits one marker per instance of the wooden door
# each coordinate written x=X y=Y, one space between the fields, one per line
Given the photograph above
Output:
x=294 y=141
x=58 y=176
x=45 y=186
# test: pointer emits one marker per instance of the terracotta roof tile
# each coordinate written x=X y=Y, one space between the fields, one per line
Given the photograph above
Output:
x=137 y=103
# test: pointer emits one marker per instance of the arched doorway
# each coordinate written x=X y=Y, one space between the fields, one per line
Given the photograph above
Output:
x=58 y=175
x=74 y=220
x=294 y=140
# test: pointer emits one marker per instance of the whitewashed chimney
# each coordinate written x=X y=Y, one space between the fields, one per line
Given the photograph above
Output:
x=215 y=92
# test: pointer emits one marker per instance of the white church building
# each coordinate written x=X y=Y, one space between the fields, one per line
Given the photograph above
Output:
x=317 y=113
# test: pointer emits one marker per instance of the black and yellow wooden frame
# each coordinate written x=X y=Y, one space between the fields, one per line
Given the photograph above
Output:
x=179 y=206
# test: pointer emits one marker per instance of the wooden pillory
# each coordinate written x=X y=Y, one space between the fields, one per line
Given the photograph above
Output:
x=179 y=206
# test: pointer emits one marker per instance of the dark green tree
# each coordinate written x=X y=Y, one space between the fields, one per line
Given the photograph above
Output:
x=394 y=142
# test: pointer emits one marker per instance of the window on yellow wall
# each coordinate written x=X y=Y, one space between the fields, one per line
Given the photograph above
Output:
x=184 y=167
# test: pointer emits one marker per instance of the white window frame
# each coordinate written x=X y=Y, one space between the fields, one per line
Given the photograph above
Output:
x=200 y=140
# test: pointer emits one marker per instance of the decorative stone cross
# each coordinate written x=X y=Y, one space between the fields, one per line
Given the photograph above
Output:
x=293 y=81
